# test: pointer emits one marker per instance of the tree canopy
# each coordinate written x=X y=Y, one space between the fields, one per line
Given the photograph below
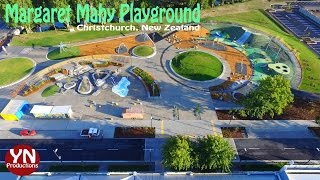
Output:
x=209 y=153
x=177 y=153
x=213 y=152
x=270 y=98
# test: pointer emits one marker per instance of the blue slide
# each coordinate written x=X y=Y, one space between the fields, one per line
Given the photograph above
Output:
x=243 y=38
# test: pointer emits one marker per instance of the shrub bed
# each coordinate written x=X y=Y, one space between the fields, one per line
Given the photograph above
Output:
x=134 y=132
x=148 y=81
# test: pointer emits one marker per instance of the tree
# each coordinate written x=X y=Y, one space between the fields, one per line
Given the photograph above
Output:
x=177 y=153
x=270 y=98
x=212 y=153
x=21 y=4
x=192 y=3
x=198 y=111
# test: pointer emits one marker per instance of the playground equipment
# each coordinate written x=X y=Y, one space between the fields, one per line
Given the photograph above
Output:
x=142 y=37
x=121 y=88
x=245 y=36
x=122 y=49
x=62 y=47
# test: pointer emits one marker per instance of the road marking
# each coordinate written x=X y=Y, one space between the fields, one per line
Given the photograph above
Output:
x=213 y=129
x=148 y=149
x=288 y=148
x=254 y=148
x=162 y=127
x=113 y=149
x=318 y=149
x=76 y=149
x=41 y=149
x=4 y=149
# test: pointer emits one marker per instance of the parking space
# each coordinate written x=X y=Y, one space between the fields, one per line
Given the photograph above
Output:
x=299 y=25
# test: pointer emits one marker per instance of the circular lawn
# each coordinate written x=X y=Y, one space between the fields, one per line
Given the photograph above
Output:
x=143 y=51
x=13 y=69
x=197 y=65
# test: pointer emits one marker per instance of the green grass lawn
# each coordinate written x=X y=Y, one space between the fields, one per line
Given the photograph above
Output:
x=197 y=65
x=263 y=167
x=258 y=20
x=50 y=91
x=143 y=51
x=74 y=168
x=53 y=38
x=69 y=52
x=13 y=69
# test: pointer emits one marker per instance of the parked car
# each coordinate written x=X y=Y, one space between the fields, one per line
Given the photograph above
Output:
x=28 y=132
x=91 y=132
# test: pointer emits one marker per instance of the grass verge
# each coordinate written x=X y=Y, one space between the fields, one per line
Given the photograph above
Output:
x=263 y=167
x=69 y=52
x=53 y=38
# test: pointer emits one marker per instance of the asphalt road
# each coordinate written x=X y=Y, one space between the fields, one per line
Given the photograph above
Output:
x=81 y=149
x=278 y=149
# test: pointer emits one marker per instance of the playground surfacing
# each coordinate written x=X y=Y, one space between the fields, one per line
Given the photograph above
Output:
x=110 y=46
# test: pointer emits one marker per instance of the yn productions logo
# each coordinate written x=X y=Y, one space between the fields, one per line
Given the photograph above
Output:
x=22 y=160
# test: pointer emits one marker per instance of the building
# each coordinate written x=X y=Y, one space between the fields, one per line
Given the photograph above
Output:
x=289 y=172
x=40 y=111
x=14 y=110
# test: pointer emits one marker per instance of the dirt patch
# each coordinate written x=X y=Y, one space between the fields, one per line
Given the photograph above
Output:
x=134 y=132
x=234 y=132
x=299 y=110
x=109 y=46
x=315 y=130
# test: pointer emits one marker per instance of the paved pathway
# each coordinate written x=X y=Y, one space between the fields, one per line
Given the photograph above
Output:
x=192 y=128
x=271 y=128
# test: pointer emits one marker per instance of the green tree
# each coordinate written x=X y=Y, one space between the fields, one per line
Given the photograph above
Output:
x=270 y=98
x=177 y=153
x=192 y=3
x=213 y=153
x=204 y=4
x=21 y=4
x=198 y=111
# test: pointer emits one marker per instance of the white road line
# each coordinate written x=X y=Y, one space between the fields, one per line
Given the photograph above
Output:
x=113 y=149
x=288 y=148
x=41 y=149
x=318 y=149
x=254 y=148
x=76 y=149
x=4 y=149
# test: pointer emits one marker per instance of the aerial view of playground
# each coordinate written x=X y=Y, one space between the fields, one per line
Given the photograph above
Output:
x=171 y=75
x=237 y=90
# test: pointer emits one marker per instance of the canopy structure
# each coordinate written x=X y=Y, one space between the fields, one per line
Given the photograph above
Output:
x=40 y=111
x=14 y=110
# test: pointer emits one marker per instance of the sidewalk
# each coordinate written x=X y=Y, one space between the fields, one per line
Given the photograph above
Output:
x=271 y=128
x=164 y=128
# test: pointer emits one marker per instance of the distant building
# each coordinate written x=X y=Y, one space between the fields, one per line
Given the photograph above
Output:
x=292 y=172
